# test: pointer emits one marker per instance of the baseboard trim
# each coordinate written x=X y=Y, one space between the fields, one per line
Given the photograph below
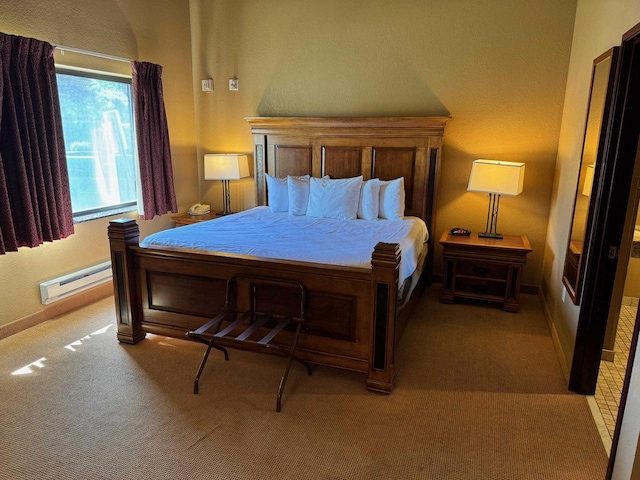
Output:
x=56 y=309
x=557 y=346
x=600 y=423
x=608 y=355
x=22 y=324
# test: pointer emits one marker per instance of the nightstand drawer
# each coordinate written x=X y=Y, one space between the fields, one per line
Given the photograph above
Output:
x=482 y=269
x=483 y=288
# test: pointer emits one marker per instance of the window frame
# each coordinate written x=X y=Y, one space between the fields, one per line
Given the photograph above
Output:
x=124 y=207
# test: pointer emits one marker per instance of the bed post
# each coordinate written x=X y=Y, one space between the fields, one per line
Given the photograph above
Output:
x=122 y=233
x=385 y=264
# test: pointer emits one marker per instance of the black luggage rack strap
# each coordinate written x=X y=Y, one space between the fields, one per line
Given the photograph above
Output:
x=209 y=333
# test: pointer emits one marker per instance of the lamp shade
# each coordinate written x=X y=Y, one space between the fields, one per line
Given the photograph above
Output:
x=225 y=166
x=588 y=180
x=494 y=176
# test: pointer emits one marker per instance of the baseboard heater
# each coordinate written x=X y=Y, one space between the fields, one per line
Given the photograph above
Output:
x=73 y=283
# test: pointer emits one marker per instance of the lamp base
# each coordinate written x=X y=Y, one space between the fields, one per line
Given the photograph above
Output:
x=497 y=236
x=492 y=218
x=226 y=199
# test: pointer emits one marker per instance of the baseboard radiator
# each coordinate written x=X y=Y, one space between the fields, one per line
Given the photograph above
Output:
x=73 y=283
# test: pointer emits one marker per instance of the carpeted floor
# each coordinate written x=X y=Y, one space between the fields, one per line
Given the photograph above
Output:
x=479 y=395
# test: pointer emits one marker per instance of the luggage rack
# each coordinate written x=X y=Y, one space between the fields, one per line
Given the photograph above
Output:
x=210 y=333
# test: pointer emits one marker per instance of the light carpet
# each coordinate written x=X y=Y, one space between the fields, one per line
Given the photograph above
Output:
x=479 y=395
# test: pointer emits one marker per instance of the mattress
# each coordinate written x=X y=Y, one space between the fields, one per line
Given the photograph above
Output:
x=259 y=232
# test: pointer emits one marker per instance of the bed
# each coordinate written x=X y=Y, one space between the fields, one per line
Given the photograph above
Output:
x=354 y=313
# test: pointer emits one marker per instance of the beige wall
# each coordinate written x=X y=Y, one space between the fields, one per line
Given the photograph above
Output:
x=632 y=277
x=498 y=68
x=143 y=30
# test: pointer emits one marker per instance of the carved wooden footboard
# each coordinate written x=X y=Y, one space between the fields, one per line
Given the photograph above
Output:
x=351 y=312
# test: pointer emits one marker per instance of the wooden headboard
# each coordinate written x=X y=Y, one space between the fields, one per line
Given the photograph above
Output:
x=380 y=147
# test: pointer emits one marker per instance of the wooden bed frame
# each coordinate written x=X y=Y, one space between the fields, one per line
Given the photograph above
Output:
x=353 y=319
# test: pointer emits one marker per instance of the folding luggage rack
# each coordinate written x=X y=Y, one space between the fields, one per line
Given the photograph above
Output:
x=210 y=333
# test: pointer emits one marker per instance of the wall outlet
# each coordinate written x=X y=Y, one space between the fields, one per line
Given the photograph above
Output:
x=233 y=84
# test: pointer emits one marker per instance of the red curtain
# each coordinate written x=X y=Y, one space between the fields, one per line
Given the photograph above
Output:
x=35 y=200
x=154 y=155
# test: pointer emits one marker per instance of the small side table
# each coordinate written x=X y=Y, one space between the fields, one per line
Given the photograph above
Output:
x=483 y=268
x=186 y=219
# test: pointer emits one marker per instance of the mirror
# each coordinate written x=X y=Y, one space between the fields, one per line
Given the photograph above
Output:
x=602 y=76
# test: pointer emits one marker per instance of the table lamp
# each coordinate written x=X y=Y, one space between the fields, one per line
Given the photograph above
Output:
x=225 y=167
x=496 y=178
x=588 y=180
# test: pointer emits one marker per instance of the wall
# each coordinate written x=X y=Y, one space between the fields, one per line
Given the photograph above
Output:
x=125 y=29
x=498 y=68
x=598 y=26
x=632 y=278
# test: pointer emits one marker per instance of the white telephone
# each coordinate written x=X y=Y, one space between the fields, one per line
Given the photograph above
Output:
x=199 y=209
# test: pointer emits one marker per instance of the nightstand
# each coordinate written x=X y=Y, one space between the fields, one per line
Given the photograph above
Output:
x=483 y=268
x=186 y=219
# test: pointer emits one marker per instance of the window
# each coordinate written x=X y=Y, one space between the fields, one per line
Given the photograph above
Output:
x=99 y=138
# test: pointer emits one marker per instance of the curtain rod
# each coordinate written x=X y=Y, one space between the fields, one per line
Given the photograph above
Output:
x=93 y=54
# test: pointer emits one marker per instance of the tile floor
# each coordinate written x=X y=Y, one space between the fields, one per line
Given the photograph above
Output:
x=611 y=376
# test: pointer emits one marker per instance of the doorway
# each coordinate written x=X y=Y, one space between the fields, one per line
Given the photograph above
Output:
x=620 y=325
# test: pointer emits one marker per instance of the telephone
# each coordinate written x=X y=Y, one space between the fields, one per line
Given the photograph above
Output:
x=199 y=209
x=460 y=232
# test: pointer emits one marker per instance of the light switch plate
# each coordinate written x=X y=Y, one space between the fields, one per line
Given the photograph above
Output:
x=207 y=85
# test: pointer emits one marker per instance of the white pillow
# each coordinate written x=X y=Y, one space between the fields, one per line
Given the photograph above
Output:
x=298 y=190
x=334 y=198
x=368 y=207
x=392 y=199
x=278 y=197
